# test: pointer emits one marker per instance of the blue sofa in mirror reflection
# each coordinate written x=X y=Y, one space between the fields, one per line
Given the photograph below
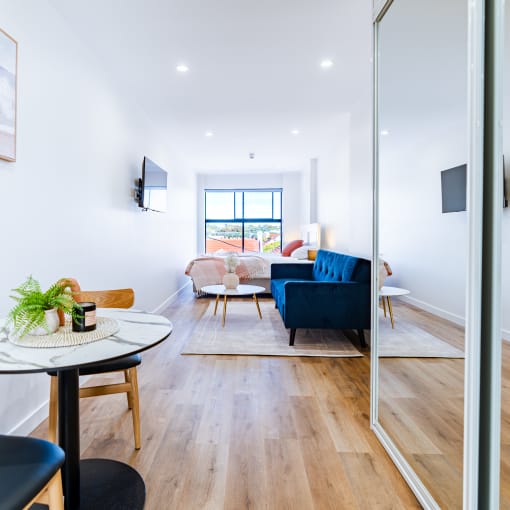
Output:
x=331 y=293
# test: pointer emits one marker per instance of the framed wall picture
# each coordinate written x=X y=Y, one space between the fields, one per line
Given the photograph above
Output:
x=8 y=92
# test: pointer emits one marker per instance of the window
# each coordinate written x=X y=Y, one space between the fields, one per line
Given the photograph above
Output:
x=243 y=221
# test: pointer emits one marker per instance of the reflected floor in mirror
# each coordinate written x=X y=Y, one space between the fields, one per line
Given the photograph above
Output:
x=421 y=406
x=431 y=436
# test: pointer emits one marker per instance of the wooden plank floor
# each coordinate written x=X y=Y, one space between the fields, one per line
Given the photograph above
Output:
x=247 y=432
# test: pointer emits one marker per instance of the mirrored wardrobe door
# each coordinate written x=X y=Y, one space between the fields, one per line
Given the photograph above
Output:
x=505 y=287
x=423 y=238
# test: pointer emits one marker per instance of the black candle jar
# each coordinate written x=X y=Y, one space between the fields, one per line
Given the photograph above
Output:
x=84 y=317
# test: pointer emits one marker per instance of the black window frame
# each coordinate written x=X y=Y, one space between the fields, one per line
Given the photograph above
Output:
x=243 y=220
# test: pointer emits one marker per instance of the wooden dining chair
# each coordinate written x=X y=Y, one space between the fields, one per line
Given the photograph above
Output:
x=30 y=473
x=118 y=298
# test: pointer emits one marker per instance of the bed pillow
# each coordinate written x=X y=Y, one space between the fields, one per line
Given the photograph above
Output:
x=301 y=252
x=290 y=247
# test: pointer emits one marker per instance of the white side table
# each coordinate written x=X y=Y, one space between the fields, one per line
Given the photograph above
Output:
x=388 y=292
x=241 y=290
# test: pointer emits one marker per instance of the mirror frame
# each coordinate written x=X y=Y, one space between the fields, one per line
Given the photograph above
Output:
x=412 y=479
x=482 y=371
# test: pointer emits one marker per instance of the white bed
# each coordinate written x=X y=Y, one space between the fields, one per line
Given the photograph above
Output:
x=254 y=268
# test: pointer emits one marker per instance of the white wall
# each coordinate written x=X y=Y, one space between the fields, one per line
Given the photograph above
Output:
x=344 y=174
x=67 y=207
x=293 y=214
x=426 y=249
x=423 y=106
x=344 y=183
x=360 y=182
x=312 y=191
x=333 y=181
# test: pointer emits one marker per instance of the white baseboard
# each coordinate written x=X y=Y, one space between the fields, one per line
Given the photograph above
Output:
x=439 y=312
x=435 y=310
x=29 y=423
x=169 y=299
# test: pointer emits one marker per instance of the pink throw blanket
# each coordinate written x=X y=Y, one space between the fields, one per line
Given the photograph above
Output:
x=210 y=270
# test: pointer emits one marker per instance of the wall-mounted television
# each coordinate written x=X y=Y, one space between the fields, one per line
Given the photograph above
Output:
x=152 y=192
x=454 y=188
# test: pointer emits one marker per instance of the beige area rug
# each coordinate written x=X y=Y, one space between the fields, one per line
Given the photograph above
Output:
x=245 y=333
x=408 y=340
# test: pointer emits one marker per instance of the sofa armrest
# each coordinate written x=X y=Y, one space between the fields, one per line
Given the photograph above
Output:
x=297 y=270
x=327 y=304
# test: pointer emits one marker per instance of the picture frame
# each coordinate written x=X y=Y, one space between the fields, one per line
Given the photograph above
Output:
x=8 y=95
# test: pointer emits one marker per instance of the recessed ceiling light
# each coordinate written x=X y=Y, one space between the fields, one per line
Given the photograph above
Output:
x=385 y=132
x=295 y=132
x=326 y=63
x=182 y=68
x=209 y=134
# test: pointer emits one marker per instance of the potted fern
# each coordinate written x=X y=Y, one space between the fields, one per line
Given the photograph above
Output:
x=36 y=312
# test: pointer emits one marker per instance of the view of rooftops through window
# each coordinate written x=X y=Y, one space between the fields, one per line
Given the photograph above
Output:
x=243 y=221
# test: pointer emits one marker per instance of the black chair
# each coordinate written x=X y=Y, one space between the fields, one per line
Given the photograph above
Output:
x=30 y=473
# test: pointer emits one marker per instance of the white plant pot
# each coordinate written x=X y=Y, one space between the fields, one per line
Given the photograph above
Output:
x=52 y=320
x=230 y=280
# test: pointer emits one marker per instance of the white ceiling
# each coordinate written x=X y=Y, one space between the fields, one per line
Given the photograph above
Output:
x=254 y=72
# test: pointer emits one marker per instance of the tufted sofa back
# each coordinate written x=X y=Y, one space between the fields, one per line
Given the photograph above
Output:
x=337 y=267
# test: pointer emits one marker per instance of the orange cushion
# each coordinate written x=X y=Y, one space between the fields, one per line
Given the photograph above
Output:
x=290 y=247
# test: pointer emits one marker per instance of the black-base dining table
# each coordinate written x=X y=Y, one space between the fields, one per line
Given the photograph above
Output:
x=89 y=484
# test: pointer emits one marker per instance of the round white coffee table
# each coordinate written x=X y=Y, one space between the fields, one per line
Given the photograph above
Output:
x=241 y=290
x=388 y=292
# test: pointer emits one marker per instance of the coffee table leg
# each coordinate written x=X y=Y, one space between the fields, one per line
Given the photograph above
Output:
x=216 y=304
x=257 y=303
x=224 y=310
x=390 y=308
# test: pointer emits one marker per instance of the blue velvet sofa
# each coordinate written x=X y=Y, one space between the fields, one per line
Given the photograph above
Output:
x=331 y=293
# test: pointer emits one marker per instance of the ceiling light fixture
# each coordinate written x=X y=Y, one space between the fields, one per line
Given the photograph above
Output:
x=182 y=68
x=209 y=134
x=326 y=63
x=385 y=132
x=295 y=132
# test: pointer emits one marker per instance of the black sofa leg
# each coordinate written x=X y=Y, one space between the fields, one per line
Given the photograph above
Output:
x=361 y=335
x=292 y=336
